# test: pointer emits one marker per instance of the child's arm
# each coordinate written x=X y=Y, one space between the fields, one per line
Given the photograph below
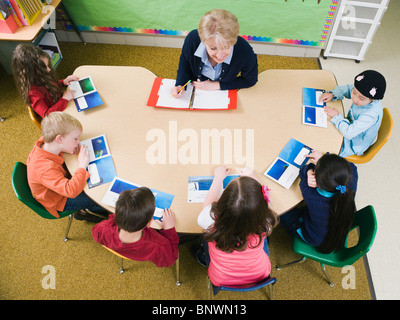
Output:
x=214 y=193
x=351 y=130
x=40 y=106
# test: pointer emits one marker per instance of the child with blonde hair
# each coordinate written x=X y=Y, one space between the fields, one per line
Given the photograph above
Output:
x=214 y=55
x=49 y=181
x=36 y=80
x=238 y=222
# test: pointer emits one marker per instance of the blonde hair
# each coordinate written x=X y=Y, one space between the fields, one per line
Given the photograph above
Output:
x=29 y=69
x=58 y=123
x=221 y=24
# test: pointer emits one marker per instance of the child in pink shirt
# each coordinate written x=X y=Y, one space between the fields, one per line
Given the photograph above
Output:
x=238 y=222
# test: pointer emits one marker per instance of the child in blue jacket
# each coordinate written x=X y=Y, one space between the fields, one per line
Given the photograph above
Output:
x=361 y=126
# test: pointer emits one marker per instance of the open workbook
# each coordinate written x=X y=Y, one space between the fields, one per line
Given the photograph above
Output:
x=198 y=187
x=118 y=185
x=101 y=166
x=85 y=94
x=192 y=98
x=313 y=109
x=286 y=167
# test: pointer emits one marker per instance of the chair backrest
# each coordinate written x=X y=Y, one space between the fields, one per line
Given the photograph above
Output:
x=384 y=133
x=267 y=281
x=365 y=220
x=35 y=117
x=23 y=192
x=116 y=253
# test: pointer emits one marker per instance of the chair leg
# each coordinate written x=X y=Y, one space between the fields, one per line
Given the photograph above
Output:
x=279 y=267
x=68 y=227
x=331 y=284
x=209 y=289
x=271 y=291
x=178 y=280
x=121 y=267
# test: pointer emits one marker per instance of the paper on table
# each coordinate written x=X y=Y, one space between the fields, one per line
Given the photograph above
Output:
x=216 y=99
x=165 y=98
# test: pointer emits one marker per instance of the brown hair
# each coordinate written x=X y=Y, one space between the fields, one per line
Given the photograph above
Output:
x=221 y=24
x=29 y=69
x=240 y=212
x=134 y=209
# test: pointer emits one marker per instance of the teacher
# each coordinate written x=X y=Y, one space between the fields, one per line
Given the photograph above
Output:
x=214 y=54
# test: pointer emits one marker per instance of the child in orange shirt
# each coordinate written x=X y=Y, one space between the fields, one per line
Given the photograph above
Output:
x=47 y=178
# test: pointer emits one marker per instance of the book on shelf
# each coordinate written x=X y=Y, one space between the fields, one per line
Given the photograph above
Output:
x=198 y=187
x=101 y=166
x=286 y=167
x=192 y=98
x=86 y=95
x=163 y=200
x=313 y=109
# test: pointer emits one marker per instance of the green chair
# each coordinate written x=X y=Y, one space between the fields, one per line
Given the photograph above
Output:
x=365 y=220
x=23 y=192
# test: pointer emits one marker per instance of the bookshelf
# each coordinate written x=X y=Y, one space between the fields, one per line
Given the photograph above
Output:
x=9 y=41
x=354 y=28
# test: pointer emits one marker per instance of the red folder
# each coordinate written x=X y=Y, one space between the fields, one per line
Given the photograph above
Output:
x=153 y=98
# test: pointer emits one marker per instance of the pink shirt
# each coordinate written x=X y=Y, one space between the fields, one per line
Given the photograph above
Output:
x=238 y=267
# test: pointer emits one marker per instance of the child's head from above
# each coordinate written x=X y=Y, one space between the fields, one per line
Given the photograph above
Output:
x=134 y=209
x=218 y=30
x=31 y=60
x=332 y=171
x=64 y=129
x=369 y=85
x=240 y=212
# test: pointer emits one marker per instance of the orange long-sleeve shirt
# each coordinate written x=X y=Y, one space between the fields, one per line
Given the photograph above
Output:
x=48 y=182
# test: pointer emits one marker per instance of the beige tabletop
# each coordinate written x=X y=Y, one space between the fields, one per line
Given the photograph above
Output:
x=267 y=116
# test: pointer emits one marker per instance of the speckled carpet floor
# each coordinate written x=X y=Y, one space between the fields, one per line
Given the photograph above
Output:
x=83 y=269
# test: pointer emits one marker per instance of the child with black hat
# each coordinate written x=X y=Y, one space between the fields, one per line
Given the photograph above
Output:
x=361 y=126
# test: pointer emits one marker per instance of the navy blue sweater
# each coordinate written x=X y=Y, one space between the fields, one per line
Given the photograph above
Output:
x=316 y=216
x=244 y=61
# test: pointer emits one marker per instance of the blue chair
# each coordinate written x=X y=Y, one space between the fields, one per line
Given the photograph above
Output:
x=266 y=282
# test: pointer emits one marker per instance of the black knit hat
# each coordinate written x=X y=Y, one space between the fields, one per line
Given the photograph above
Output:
x=371 y=84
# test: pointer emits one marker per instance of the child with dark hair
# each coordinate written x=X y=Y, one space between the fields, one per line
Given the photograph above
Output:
x=328 y=185
x=360 y=127
x=37 y=82
x=238 y=222
x=127 y=232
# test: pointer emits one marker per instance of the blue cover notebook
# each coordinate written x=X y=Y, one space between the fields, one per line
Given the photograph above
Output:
x=313 y=110
x=285 y=168
x=163 y=200
x=101 y=166
x=198 y=187
x=85 y=94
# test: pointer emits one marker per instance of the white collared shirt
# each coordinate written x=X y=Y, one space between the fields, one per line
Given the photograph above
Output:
x=213 y=73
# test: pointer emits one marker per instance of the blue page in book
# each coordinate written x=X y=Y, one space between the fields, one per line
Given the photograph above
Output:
x=198 y=187
x=313 y=112
x=285 y=168
x=88 y=101
x=101 y=171
x=163 y=200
